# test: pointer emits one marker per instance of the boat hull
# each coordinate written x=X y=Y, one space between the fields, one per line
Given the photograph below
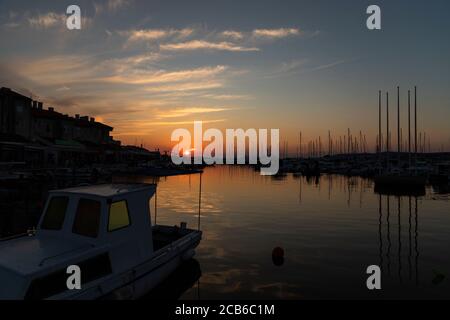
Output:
x=143 y=278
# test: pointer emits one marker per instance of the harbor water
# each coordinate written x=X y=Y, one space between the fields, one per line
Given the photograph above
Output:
x=330 y=228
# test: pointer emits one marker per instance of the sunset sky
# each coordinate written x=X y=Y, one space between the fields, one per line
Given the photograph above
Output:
x=149 y=67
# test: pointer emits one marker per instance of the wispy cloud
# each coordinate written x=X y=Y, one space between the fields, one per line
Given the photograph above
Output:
x=140 y=61
x=11 y=25
x=48 y=20
x=52 y=20
x=190 y=122
x=190 y=86
x=301 y=66
x=226 y=96
x=288 y=68
x=329 y=65
x=184 y=112
x=163 y=76
x=155 y=34
x=111 y=5
x=206 y=45
x=276 y=33
x=233 y=34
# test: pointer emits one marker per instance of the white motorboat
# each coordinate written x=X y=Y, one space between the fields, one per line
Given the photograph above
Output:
x=105 y=230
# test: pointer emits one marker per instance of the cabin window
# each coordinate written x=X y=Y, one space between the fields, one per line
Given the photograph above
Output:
x=119 y=216
x=87 y=218
x=55 y=214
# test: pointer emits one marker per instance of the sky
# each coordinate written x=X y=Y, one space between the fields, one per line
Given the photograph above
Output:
x=149 y=67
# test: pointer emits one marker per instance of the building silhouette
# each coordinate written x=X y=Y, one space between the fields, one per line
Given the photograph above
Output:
x=37 y=136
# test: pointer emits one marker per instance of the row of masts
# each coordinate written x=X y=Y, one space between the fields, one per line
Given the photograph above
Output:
x=408 y=142
x=342 y=145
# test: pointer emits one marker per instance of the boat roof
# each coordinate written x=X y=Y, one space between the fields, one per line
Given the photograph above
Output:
x=109 y=190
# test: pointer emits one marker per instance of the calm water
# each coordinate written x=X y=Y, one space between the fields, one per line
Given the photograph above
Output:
x=330 y=229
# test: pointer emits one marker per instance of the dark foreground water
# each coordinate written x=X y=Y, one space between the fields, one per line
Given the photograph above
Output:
x=331 y=230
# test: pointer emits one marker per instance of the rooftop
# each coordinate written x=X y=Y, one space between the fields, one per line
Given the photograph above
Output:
x=109 y=190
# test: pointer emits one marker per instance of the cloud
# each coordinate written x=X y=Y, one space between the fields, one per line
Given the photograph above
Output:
x=232 y=34
x=11 y=25
x=114 y=5
x=163 y=76
x=202 y=44
x=288 y=68
x=226 y=96
x=60 y=69
x=190 y=86
x=120 y=65
x=329 y=65
x=55 y=20
x=276 y=33
x=183 y=112
x=48 y=20
x=63 y=88
x=191 y=122
x=111 y=6
x=155 y=34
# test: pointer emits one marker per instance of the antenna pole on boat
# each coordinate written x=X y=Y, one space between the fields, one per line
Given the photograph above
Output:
x=156 y=201
x=199 y=200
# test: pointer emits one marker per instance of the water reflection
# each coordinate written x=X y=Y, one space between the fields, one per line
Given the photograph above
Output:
x=326 y=225
x=411 y=224
x=187 y=276
x=330 y=229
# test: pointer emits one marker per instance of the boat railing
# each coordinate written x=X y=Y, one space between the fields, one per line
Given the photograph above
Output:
x=176 y=245
x=16 y=236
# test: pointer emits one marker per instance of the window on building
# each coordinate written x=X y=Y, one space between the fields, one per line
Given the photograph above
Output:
x=55 y=214
x=119 y=216
x=87 y=218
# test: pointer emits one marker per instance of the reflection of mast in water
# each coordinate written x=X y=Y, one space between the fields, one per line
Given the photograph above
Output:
x=300 y=181
x=349 y=193
x=416 y=236
x=399 y=241
x=330 y=181
x=380 y=235
x=388 y=237
x=199 y=199
x=400 y=247
x=409 y=234
x=360 y=194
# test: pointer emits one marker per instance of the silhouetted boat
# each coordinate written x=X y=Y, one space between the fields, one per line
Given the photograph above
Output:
x=105 y=230
x=400 y=180
x=400 y=185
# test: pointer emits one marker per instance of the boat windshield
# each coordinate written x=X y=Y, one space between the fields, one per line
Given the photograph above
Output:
x=55 y=214
x=87 y=218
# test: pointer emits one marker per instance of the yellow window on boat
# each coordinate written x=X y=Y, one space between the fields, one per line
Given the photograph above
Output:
x=118 y=215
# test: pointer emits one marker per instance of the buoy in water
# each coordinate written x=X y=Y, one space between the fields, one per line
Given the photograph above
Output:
x=278 y=256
